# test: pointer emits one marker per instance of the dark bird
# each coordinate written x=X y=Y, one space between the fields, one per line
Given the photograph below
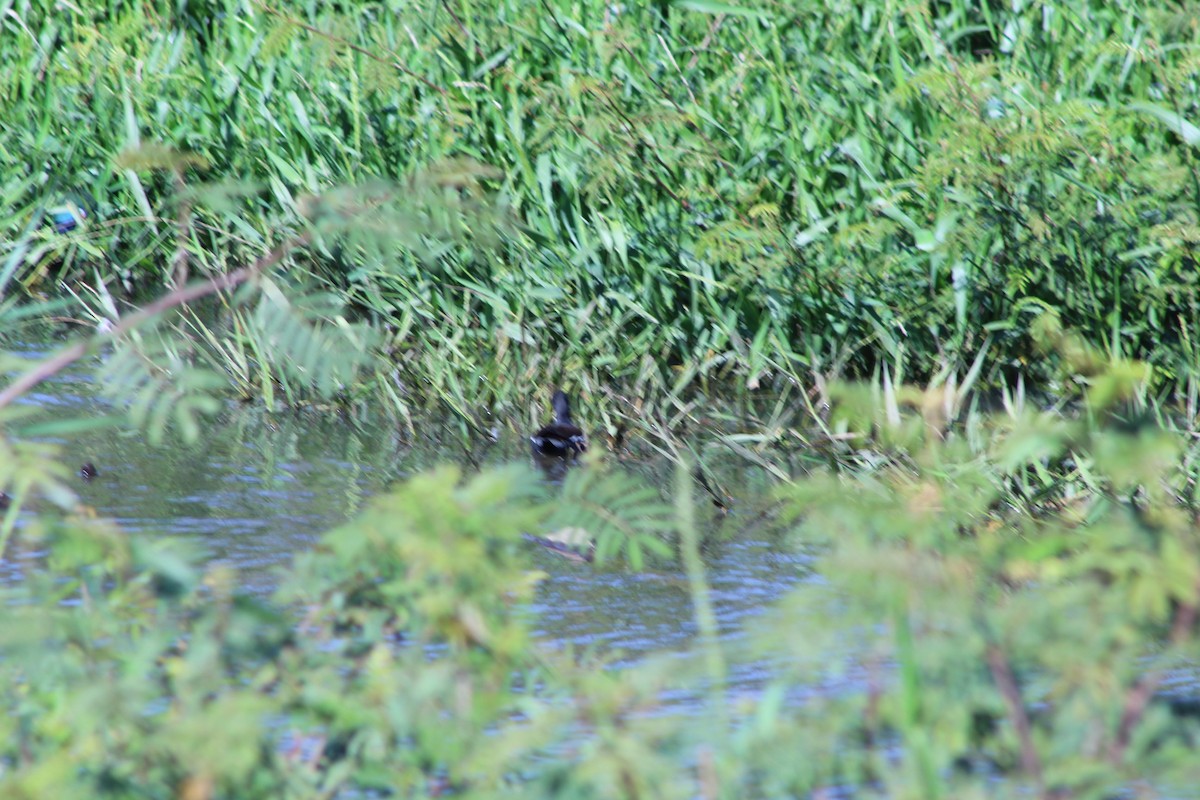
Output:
x=88 y=471
x=561 y=438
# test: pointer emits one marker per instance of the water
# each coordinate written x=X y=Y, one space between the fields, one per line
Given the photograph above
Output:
x=260 y=487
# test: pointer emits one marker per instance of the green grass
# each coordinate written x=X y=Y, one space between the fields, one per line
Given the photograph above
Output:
x=658 y=200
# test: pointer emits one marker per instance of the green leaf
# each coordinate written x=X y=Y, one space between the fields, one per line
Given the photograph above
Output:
x=1172 y=119
x=713 y=7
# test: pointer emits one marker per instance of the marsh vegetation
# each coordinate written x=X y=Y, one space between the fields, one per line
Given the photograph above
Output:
x=906 y=288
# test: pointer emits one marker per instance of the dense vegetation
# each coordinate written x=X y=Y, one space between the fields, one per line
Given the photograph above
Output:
x=802 y=208
x=1002 y=611
x=640 y=196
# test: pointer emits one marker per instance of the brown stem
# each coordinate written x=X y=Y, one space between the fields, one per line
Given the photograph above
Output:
x=394 y=62
x=1143 y=691
x=466 y=33
x=710 y=782
x=179 y=268
x=64 y=358
x=1006 y=682
x=712 y=30
x=871 y=710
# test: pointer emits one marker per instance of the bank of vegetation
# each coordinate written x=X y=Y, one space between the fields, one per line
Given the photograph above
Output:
x=648 y=200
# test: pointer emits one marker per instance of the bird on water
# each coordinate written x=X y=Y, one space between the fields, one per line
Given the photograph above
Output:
x=555 y=448
x=561 y=438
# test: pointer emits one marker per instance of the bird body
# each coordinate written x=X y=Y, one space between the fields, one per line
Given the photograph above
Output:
x=561 y=438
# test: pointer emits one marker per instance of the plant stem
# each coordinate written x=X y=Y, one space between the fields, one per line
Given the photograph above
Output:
x=1006 y=682
x=1141 y=692
x=706 y=619
x=69 y=355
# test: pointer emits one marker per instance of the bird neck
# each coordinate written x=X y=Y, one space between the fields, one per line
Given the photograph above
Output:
x=562 y=409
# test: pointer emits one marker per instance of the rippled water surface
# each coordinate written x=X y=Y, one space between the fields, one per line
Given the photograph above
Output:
x=260 y=487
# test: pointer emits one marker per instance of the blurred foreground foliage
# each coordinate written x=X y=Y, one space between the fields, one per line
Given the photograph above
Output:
x=1008 y=608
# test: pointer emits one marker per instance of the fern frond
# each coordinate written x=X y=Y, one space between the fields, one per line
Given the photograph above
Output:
x=622 y=514
x=309 y=341
x=152 y=375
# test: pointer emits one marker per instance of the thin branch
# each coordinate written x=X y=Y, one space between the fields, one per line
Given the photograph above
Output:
x=1143 y=691
x=179 y=262
x=64 y=358
x=1006 y=682
x=466 y=33
x=393 y=62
